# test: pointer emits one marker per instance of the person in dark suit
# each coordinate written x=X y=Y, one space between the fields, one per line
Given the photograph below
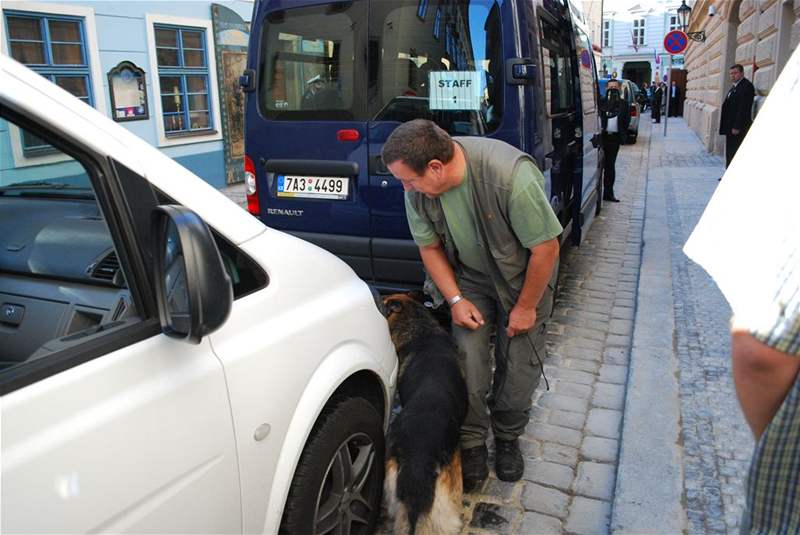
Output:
x=658 y=95
x=615 y=117
x=737 y=112
x=674 y=99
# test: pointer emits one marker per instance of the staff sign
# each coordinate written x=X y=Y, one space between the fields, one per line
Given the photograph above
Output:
x=455 y=90
x=675 y=42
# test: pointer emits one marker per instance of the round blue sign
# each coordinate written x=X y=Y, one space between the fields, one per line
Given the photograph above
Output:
x=675 y=42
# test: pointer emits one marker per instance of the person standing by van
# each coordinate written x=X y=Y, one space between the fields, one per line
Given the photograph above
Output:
x=489 y=241
x=615 y=117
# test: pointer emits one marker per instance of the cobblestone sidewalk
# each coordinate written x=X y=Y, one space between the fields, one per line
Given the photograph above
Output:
x=717 y=444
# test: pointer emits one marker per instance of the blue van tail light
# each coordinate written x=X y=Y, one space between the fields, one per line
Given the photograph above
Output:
x=250 y=184
x=348 y=134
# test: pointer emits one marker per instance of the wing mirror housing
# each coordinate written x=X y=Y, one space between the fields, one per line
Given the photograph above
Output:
x=193 y=289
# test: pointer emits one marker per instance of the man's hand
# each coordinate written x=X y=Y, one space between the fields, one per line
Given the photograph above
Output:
x=466 y=314
x=520 y=321
x=735 y=131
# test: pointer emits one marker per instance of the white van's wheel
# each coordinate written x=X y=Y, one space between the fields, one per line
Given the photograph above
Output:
x=339 y=479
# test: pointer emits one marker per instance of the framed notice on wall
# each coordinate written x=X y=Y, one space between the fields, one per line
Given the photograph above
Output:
x=128 y=89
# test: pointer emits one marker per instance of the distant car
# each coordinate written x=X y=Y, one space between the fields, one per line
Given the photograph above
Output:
x=631 y=96
x=169 y=364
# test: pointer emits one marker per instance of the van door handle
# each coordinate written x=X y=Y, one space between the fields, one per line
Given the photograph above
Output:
x=520 y=71
x=377 y=167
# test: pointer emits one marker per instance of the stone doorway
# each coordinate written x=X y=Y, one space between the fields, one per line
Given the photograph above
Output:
x=639 y=72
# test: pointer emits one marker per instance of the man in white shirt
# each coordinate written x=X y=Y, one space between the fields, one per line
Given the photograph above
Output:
x=615 y=117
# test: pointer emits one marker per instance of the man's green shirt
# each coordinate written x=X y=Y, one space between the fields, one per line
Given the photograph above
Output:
x=532 y=219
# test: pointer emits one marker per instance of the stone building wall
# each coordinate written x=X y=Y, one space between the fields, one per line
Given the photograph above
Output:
x=758 y=34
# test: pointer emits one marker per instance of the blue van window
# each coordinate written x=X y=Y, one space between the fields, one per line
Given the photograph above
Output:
x=456 y=81
x=558 y=71
x=308 y=71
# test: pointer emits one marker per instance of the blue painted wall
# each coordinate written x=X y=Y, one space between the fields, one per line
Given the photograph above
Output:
x=122 y=35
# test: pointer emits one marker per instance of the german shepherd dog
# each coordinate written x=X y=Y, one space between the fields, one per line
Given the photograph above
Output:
x=423 y=486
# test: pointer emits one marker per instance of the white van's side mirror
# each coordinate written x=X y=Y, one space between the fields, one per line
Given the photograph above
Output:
x=194 y=292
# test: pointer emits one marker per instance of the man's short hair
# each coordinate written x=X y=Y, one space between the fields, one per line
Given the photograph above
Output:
x=613 y=81
x=737 y=67
x=416 y=143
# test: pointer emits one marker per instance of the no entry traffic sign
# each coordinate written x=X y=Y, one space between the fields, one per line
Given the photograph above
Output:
x=675 y=42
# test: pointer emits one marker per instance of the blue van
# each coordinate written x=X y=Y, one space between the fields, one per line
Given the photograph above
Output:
x=328 y=81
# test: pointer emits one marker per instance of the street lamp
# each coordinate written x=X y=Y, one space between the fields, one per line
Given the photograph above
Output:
x=683 y=16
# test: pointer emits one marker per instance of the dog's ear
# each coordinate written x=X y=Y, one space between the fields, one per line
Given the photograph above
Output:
x=394 y=305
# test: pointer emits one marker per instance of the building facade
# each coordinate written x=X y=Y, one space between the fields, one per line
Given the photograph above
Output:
x=167 y=71
x=760 y=35
x=633 y=41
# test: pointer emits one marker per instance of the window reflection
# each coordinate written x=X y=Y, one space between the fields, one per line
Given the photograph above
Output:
x=446 y=68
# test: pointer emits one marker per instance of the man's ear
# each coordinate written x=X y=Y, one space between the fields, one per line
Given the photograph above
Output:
x=436 y=165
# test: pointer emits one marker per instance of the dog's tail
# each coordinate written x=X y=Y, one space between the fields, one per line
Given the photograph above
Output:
x=416 y=481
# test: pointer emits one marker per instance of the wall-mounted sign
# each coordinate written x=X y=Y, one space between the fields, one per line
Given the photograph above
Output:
x=455 y=90
x=128 y=89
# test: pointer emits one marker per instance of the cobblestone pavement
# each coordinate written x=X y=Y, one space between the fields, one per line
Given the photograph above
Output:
x=717 y=443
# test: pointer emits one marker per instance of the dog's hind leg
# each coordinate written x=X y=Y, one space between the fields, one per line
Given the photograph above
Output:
x=395 y=510
x=445 y=515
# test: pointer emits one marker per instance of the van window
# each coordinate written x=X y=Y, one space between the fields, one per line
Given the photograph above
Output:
x=441 y=61
x=557 y=66
x=587 y=72
x=310 y=55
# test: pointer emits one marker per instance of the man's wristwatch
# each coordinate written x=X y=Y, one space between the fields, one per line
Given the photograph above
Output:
x=455 y=299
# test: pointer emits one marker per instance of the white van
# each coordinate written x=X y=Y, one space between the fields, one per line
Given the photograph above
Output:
x=168 y=363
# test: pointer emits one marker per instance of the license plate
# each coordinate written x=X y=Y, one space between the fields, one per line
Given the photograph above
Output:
x=313 y=187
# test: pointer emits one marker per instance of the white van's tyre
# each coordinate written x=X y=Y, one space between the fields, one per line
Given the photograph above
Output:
x=339 y=479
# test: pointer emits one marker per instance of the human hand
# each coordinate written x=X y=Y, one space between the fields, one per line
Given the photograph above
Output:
x=466 y=314
x=520 y=321
x=735 y=131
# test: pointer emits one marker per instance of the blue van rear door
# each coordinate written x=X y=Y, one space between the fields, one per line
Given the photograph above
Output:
x=306 y=129
x=440 y=61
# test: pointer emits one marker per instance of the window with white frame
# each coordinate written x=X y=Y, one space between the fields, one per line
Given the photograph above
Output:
x=673 y=23
x=606 y=33
x=638 y=32
x=55 y=47
x=184 y=81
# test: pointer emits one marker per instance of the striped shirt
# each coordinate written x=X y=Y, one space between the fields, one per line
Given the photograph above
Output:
x=773 y=486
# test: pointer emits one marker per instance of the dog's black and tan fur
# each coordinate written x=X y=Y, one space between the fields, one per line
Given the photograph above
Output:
x=423 y=485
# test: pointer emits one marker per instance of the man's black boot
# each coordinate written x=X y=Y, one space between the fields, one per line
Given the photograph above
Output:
x=508 y=463
x=474 y=467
